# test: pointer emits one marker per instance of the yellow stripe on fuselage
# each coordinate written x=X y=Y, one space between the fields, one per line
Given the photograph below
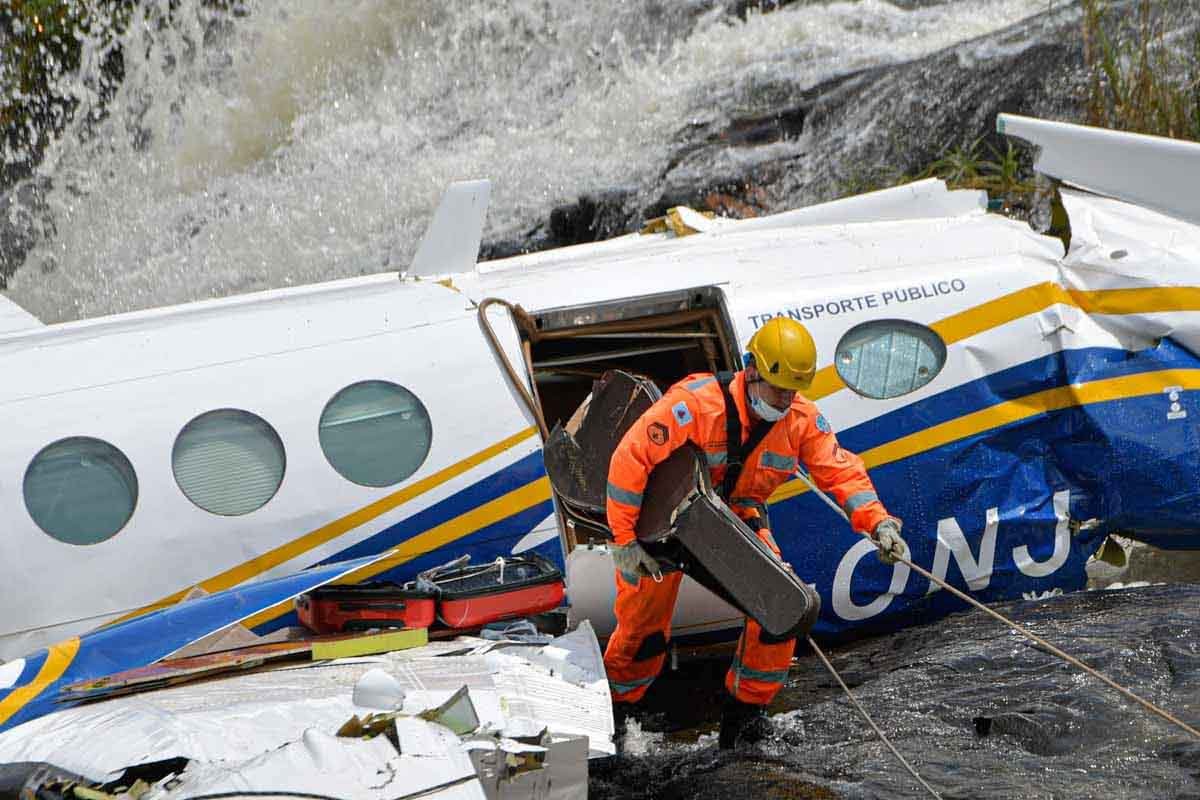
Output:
x=1101 y=391
x=58 y=658
x=502 y=507
x=310 y=541
x=952 y=329
x=1031 y=300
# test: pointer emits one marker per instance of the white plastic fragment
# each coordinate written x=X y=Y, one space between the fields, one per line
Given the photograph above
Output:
x=379 y=690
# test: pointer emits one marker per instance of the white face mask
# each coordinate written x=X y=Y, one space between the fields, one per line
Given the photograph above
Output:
x=765 y=410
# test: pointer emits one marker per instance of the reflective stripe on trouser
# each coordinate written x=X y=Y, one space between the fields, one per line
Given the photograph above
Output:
x=642 y=612
x=758 y=669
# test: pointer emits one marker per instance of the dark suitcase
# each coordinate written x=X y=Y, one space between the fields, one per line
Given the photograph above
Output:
x=685 y=523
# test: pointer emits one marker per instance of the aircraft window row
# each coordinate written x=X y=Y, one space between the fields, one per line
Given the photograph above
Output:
x=82 y=490
x=886 y=358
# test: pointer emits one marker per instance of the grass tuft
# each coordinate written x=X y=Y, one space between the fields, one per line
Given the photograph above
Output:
x=1142 y=79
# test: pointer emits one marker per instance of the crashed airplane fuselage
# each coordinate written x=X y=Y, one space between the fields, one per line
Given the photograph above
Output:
x=1015 y=405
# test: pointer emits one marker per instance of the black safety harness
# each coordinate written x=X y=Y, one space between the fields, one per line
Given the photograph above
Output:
x=735 y=460
x=736 y=453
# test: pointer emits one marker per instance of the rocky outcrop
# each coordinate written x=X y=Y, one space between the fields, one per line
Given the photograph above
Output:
x=978 y=711
x=791 y=143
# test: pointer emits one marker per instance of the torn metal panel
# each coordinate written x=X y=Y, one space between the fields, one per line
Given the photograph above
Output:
x=430 y=764
x=282 y=720
x=557 y=770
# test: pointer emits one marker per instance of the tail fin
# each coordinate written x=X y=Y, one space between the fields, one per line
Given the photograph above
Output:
x=15 y=318
x=451 y=243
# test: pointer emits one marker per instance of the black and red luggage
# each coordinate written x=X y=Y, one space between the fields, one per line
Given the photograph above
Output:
x=519 y=586
x=381 y=604
x=459 y=596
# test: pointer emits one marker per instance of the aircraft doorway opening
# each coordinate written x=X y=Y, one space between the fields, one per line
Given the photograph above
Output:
x=660 y=338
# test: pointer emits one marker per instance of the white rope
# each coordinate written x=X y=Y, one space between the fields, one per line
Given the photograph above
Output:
x=867 y=717
x=1021 y=630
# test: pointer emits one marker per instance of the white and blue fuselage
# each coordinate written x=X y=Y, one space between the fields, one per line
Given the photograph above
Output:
x=1054 y=402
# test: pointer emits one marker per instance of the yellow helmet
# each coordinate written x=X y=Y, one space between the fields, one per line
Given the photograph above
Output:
x=784 y=354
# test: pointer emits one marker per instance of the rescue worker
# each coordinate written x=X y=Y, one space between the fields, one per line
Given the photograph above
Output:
x=781 y=362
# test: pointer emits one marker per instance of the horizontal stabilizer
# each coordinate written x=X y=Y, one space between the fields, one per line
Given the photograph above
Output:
x=451 y=243
x=924 y=199
x=15 y=318
x=1151 y=171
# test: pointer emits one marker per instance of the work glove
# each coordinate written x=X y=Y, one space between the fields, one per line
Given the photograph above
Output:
x=633 y=562
x=887 y=539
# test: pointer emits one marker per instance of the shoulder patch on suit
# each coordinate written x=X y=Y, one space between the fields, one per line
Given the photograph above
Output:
x=681 y=413
x=823 y=424
x=657 y=433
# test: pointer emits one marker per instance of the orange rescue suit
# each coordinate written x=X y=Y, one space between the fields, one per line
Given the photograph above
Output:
x=693 y=410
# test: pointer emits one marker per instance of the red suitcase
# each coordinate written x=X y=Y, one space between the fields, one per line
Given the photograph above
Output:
x=470 y=597
x=333 y=609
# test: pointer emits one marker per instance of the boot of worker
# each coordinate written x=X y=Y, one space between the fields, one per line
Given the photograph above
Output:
x=743 y=723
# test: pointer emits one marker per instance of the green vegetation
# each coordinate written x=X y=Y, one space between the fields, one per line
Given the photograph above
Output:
x=1004 y=176
x=41 y=42
x=1141 y=79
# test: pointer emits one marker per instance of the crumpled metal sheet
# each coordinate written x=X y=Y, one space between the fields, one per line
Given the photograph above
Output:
x=430 y=764
x=274 y=729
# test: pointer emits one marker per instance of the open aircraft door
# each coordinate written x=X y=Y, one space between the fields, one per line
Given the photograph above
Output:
x=608 y=362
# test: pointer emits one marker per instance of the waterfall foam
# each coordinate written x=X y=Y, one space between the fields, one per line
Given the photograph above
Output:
x=310 y=140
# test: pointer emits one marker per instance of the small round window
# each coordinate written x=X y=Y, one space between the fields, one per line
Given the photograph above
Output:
x=887 y=358
x=228 y=462
x=375 y=433
x=80 y=490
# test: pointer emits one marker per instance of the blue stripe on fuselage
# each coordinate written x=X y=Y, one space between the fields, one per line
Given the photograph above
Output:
x=513 y=476
x=1047 y=372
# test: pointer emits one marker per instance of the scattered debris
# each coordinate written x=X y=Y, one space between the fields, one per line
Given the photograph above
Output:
x=461 y=718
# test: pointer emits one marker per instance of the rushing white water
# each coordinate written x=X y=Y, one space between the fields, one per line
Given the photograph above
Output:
x=311 y=139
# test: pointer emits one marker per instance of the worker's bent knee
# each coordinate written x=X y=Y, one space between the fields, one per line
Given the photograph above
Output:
x=652 y=646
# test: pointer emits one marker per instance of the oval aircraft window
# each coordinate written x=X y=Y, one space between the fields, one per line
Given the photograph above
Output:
x=228 y=462
x=375 y=433
x=80 y=490
x=887 y=358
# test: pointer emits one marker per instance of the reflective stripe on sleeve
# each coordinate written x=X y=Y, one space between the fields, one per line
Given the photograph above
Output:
x=858 y=500
x=776 y=460
x=624 y=495
x=700 y=384
x=716 y=459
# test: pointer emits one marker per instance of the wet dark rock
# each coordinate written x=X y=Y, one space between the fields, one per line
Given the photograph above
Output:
x=779 y=141
x=978 y=711
x=591 y=218
x=23 y=213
